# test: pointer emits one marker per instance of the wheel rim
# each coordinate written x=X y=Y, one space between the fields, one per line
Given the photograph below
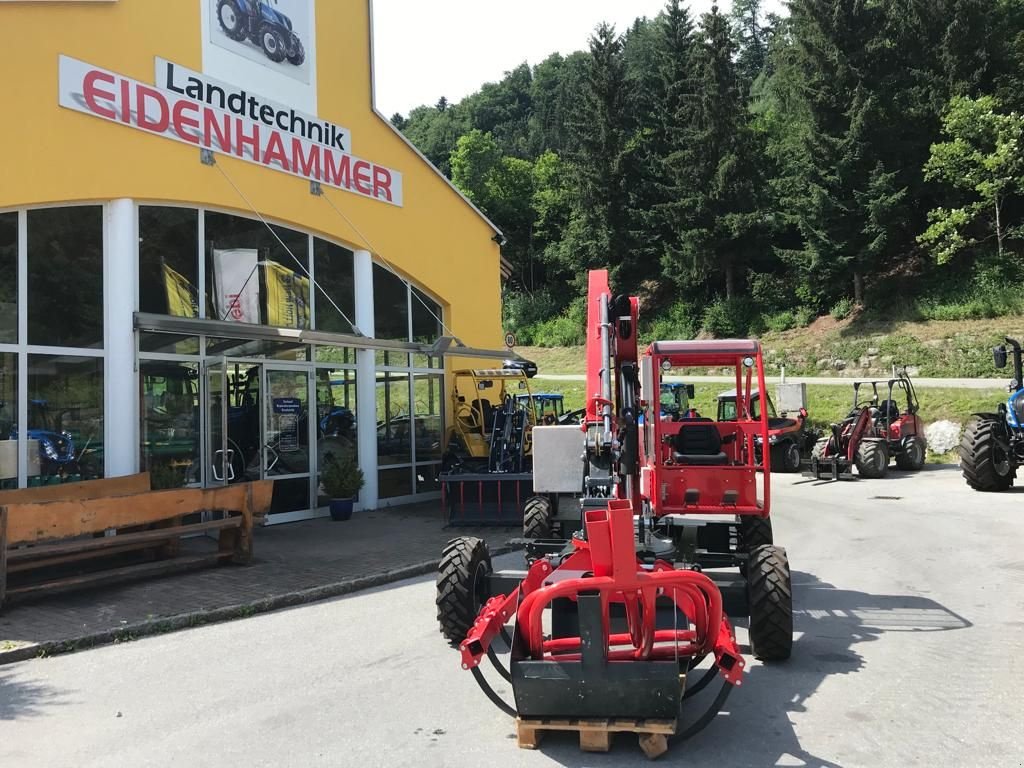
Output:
x=270 y=42
x=1000 y=460
x=227 y=16
x=793 y=455
x=881 y=461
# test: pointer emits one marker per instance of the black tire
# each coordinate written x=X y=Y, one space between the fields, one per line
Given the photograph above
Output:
x=770 y=596
x=786 y=457
x=753 y=532
x=985 y=457
x=299 y=55
x=272 y=42
x=915 y=451
x=872 y=458
x=461 y=586
x=231 y=19
x=537 y=518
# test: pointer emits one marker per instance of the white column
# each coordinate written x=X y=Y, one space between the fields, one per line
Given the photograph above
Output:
x=120 y=378
x=366 y=380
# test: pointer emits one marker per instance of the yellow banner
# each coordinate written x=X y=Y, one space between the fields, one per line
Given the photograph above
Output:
x=180 y=294
x=287 y=297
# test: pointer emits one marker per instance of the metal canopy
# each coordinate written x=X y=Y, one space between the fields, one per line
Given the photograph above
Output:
x=445 y=346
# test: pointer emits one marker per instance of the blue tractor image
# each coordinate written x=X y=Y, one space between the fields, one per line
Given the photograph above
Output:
x=992 y=446
x=264 y=25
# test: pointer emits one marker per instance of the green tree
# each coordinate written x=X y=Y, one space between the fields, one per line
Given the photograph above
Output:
x=982 y=160
x=598 y=231
x=751 y=35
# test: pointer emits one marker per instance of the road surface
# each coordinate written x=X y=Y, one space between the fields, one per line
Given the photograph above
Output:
x=908 y=595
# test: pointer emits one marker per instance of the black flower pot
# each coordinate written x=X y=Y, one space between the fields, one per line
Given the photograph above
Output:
x=341 y=509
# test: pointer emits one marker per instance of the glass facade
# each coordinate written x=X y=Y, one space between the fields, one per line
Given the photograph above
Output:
x=280 y=408
x=9 y=285
x=65 y=276
x=65 y=417
x=256 y=274
x=9 y=421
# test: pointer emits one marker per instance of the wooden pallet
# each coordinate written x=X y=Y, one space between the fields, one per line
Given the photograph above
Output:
x=596 y=735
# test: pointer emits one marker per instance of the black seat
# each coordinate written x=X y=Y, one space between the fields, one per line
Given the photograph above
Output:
x=888 y=409
x=698 y=442
x=486 y=411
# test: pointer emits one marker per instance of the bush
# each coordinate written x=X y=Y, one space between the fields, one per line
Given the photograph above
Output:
x=342 y=478
x=725 y=318
x=842 y=309
x=676 y=322
x=781 y=321
x=804 y=317
x=566 y=330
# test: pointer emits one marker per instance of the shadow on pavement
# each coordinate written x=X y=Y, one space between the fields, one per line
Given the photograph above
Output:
x=754 y=729
x=23 y=698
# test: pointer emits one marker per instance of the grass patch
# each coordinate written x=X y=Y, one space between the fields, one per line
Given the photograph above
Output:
x=826 y=404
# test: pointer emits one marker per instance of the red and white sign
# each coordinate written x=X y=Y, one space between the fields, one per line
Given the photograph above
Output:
x=110 y=96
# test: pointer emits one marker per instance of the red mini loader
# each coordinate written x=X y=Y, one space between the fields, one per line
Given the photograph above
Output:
x=607 y=624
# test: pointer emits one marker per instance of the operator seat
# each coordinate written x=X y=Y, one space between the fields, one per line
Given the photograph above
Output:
x=486 y=411
x=698 y=443
x=888 y=409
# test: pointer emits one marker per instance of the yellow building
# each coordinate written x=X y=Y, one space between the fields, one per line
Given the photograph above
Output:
x=220 y=262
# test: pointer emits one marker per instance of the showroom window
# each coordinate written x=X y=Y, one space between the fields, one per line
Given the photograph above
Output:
x=169 y=261
x=334 y=276
x=390 y=305
x=251 y=278
x=9 y=284
x=9 y=421
x=65 y=417
x=65 y=276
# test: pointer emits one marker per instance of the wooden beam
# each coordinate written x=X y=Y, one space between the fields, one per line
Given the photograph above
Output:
x=157 y=535
x=31 y=523
x=85 y=489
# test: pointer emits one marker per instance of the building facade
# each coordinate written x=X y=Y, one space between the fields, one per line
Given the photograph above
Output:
x=219 y=261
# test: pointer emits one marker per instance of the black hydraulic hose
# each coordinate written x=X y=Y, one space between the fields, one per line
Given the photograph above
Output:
x=506 y=638
x=502 y=670
x=701 y=684
x=707 y=717
x=490 y=693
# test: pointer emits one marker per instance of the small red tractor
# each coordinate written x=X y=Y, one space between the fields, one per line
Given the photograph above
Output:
x=787 y=434
x=873 y=433
x=611 y=620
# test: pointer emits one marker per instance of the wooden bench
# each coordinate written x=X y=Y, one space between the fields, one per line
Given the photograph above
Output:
x=62 y=529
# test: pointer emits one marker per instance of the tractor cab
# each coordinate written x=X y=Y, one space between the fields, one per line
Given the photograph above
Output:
x=675 y=400
x=786 y=433
x=490 y=406
x=700 y=465
x=887 y=412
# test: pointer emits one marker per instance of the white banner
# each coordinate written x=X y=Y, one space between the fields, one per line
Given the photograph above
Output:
x=107 y=95
x=236 y=273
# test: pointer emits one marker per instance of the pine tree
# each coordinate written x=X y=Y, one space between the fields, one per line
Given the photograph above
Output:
x=751 y=34
x=598 y=231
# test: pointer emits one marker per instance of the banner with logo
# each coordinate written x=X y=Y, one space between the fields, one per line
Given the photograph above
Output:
x=181 y=294
x=237 y=297
x=287 y=296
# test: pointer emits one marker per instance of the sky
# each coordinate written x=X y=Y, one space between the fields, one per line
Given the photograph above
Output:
x=425 y=50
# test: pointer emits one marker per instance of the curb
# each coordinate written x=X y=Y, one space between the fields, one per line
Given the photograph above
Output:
x=199 y=618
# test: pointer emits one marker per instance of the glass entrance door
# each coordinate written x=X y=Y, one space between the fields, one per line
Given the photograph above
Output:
x=218 y=466
x=286 y=439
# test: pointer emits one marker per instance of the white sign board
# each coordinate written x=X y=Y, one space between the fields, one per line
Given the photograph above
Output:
x=177 y=116
x=264 y=45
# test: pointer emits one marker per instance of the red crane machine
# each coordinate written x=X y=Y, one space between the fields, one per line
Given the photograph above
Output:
x=645 y=504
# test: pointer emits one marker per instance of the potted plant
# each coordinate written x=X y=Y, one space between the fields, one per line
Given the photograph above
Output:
x=342 y=479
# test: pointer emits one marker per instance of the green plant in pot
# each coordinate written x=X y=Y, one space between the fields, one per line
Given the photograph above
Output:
x=342 y=480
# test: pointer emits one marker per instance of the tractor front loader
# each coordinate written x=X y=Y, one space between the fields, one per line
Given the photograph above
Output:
x=606 y=626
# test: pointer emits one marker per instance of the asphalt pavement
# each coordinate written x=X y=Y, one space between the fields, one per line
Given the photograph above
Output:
x=909 y=652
